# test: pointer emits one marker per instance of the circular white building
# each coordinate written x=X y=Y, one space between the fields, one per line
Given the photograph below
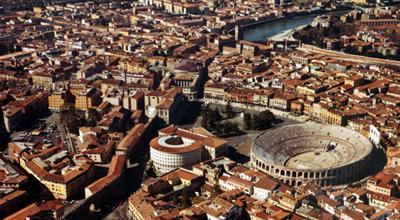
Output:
x=176 y=147
x=171 y=151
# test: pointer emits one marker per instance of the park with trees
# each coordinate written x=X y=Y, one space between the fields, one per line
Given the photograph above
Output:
x=224 y=124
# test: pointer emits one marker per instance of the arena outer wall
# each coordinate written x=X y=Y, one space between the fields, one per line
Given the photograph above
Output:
x=271 y=149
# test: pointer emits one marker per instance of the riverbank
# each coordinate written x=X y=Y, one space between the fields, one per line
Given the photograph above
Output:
x=286 y=35
x=260 y=31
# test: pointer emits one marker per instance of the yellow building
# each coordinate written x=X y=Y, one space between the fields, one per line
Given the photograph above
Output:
x=360 y=2
x=56 y=101
x=308 y=108
x=393 y=156
x=339 y=116
x=63 y=180
x=59 y=99
x=64 y=186
x=134 y=66
x=37 y=10
x=87 y=99
x=329 y=116
x=297 y=107
x=76 y=88
x=305 y=90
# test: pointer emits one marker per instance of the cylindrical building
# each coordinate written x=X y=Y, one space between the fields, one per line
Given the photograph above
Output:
x=328 y=155
x=171 y=151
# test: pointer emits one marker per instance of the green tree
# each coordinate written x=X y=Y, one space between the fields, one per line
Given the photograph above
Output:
x=247 y=120
x=211 y=118
x=175 y=199
x=205 y=110
x=93 y=117
x=216 y=115
x=255 y=123
x=216 y=190
x=3 y=85
x=267 y=118
x=185 y=198
x=229 y=111
x=149 y=173
x=71 y=119
x=263 y=120
x=229 y=128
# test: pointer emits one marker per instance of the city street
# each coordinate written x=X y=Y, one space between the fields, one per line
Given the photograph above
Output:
x=242 y=143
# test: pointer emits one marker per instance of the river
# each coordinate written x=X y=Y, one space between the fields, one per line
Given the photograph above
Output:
x=270 y=29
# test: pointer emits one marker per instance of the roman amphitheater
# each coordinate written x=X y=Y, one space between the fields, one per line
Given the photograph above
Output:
x=329 y=155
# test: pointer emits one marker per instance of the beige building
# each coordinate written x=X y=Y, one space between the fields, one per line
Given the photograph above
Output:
x=360 y=2
x=281 y=101
x=383 y=183
x=164 y=104
x=188 y=83
x=43 y=79
x=214 y=92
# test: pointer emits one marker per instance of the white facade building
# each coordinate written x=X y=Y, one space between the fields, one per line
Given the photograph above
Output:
x=175 y=147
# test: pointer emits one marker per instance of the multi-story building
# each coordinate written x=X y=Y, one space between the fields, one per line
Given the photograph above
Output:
x=11 y=194
x=212 y=169
x=8 y=74
x=281 y=101
x=176 y=147
x=12 y=117
x=109 y=85
x=164 y=104
x=214 y=92
x=219 y=208
x=384 y=184
x=10 y=178
x=175 y=7
x=188 y=83
x=60 y=174
x=59 y=99
x=172 y=183
x=11 y=200
x=47 y=209
x=134 y=66
x=27 y=108
x=339 y=117
x=133 y=100
x=43 y=79
x=87 y=99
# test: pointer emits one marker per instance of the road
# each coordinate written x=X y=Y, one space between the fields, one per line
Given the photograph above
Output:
x=241 y=142
x=347 y=57
x=55 y=119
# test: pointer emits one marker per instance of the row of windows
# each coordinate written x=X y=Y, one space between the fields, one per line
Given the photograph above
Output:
x=176 y=159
